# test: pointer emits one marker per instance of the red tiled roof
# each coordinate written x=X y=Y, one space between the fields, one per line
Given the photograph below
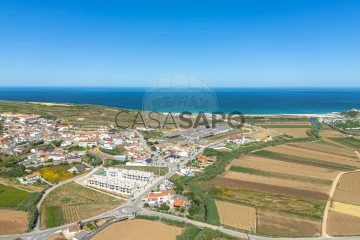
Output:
x=179 y=203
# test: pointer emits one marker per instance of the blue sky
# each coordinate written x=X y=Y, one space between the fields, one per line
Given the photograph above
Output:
x=227 y=43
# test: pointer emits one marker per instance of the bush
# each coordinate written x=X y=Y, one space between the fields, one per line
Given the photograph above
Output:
x=30 y=202
x=116 y=151
x=189 y=233
x=57 y=143
x=76 y=148
x=29 y=205
x=33 y=217
x=164 y=207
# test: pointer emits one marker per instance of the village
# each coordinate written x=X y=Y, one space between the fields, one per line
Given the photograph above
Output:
x=127 y=164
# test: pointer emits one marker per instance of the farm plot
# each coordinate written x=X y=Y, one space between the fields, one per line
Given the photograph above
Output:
x=348 y=189
x=265 y=187
x=331 y=134
x=266 y=164
x=73 y=202
x=304 y=160
x=270 y=201
x=284 y=225
x=324 y=154
x=346 y=197
x=350 y=182
x=12 y=221
x=348 y=209
x=237 y=216
x=339 y=224
x=317 y=155
x=298 y=185
x=326 y=147
x=138 y=229
x=295 y=132
x=348 y=141
x=10 y=197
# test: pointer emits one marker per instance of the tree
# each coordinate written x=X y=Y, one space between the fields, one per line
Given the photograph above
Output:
x=164 y=207
x=1 y=129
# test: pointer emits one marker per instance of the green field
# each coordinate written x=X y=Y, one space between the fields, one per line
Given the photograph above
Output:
x=280 y=175
x=308 y=208
x=348 y=141
x=155 y=170
x=54 y=216
x=10 y=197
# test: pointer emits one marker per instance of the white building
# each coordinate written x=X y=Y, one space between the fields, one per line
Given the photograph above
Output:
x=130 y=174
x=113 y=184
x=159 y=197
x=186 y=171
x=120 y=181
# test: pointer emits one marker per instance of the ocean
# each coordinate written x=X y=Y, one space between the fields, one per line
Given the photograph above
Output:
x=245 y=100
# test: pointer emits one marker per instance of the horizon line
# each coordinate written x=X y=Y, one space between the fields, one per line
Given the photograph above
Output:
x=218 y=87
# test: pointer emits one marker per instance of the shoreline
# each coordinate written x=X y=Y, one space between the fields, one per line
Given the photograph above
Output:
x=59 y=104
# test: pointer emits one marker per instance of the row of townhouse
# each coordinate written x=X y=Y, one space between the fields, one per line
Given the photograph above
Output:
x=113 y=184
x=120 y=181
x=130 y=174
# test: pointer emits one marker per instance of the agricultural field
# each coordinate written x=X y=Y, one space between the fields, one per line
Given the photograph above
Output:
x=329 y=133
x=275 y=180
x=344 y=214
x=295 y=127
x=345 y=208
x=281 y=167
x=326 y=147
x=35 y=187
x=237 y=216
x=269 y=201
x=288 y=185
x=73 y=202
x=139 y=229
x=268 y=188
x=349 y=142
x=316 y=155
x=296 y=132
x=265 y=132
x=278 y=224
x=348 y=189
x=17 y=209
x=13 y=221
x=57 y=173
x=10 y=197
x=342 y=224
